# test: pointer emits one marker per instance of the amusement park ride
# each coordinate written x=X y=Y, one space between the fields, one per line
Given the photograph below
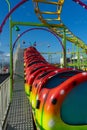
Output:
x=56 y=25
x=49 y=103
x=54 y=93
x=52 y=20
x=51 y=88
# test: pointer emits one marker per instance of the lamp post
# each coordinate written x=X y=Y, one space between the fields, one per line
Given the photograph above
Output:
x=9 y=7
x=11 y=53
x=48 y=53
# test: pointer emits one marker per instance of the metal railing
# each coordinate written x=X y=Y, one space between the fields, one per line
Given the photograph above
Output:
x=4 y=100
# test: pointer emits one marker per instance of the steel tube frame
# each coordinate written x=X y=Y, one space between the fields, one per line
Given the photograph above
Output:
x=11 y=52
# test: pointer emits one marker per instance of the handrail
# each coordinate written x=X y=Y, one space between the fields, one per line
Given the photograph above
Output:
x=4 y=100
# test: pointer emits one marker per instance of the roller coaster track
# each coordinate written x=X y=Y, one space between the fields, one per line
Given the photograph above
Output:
x=52 y=18
x=81 y=3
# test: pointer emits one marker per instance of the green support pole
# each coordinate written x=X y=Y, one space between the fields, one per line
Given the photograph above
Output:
x=78 y=57
x=83 y=61
x=11 y=62
x=64 y=45
x=14 y=23
x=11 y=53
x=72 y=53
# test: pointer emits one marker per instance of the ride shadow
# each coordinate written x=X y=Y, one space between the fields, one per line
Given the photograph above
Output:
x=9 y=127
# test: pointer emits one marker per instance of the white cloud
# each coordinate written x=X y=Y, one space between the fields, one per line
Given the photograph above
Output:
x=7 y=54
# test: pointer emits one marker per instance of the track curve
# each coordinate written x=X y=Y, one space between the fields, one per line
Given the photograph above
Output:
x=54 y=22
x=81 y=3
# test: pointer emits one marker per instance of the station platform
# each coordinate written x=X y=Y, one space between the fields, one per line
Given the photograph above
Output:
x=19 y=115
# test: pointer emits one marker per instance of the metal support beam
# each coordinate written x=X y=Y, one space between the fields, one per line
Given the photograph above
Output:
x=14 y=23
x=78 y=57
x=64 y=45
x=11 y=62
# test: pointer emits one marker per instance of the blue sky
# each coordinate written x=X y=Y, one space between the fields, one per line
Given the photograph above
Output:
x=73 y=16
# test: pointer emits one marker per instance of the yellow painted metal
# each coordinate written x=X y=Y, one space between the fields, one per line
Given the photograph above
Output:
x=60 y=2
x=56 y=24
